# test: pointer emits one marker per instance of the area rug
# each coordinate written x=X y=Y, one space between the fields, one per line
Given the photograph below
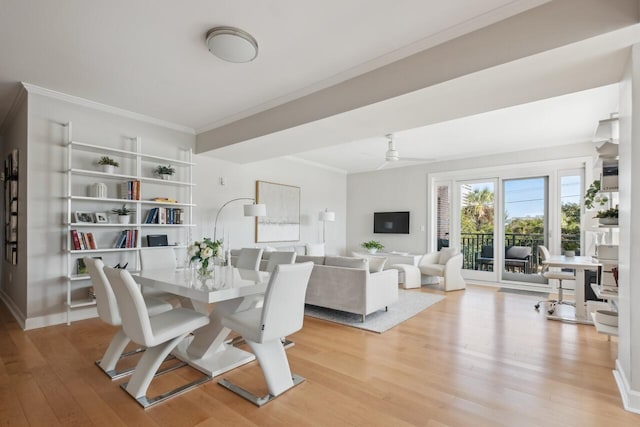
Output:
x=542 y=295
x=408 y=305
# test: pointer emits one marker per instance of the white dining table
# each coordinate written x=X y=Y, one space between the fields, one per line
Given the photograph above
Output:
x=579 y=264
x=231 y=290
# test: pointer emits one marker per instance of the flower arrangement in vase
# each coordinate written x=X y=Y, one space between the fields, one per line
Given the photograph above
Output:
x=203 y=252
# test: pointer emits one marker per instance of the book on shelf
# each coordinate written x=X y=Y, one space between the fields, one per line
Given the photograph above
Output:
x=129 y=190
x=164 y=200
x=75 y=240
x=165 y=216
x=127 y=239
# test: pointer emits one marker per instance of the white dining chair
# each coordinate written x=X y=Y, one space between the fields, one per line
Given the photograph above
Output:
x=277 y=258
x=551 y=274
x=108 y=312
x=160 y=334
x=249 y=258
x=262 y=328
x=160 y=259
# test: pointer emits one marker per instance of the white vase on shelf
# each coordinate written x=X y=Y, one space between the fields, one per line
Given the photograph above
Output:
x=372 y=250
x=108 y=169
x=123 y=219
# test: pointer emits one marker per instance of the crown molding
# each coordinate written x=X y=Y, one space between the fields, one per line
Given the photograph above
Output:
x=20 y=97
x=316 y=164
x=37 y=90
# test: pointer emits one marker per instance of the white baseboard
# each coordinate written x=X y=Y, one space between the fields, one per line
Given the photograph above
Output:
x=19 y=316
x=60 y=318
x=630 y=398
x=48 y=320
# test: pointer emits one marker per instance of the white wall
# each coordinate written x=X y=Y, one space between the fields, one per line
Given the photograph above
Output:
x=319 y=189
x=628 y=363
x=44 y=293
x=14 y=277
x=405 y=189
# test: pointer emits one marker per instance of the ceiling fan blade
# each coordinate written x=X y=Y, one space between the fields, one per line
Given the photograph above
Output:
x=382 y=165
x=415 y=159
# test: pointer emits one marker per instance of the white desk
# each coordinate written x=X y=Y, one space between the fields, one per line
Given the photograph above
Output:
x=579 y=264
x=206 y=350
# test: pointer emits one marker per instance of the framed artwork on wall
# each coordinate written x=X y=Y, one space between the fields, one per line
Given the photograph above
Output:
x=282 y=222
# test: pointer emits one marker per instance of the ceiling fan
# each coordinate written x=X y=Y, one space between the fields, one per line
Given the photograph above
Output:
x=392 y=155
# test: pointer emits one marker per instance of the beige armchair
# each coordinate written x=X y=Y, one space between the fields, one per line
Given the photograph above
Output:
x=446 y=263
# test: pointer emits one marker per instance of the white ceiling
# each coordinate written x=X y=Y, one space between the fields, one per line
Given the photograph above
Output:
x=149 y=56
x=543 y=124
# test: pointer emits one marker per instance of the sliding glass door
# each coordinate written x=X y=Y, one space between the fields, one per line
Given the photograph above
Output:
x=524 y=227
x=477 y=225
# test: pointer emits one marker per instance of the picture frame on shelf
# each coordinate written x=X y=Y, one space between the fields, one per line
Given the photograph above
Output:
x=83 y=217
x=101 y=218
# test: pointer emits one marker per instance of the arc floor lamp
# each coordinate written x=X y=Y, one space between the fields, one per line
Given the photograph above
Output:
x=326 y=216
x=252 y=209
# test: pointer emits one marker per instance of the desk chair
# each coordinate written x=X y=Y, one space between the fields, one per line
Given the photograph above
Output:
x=557 y=275
x=282 y=314
x=109 y=313
x=249 y=258
x=160 y=334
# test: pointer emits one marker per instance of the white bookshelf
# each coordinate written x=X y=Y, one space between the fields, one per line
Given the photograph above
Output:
x=136 y=164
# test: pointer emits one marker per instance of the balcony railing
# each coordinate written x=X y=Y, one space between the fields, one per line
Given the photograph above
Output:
x=475 y=259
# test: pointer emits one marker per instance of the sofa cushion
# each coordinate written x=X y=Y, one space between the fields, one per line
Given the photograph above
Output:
x=315 y=249
x=376 y=263
x=446 y=254
x=318 y=260
x=300 y=250
x=432 y=269
x=518 y=252
x=235 y=252
x=343 y=261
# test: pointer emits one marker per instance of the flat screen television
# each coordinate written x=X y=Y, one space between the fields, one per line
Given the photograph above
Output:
x=391 y=222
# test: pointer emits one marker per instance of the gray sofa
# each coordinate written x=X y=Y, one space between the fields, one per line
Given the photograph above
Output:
x=350 y=288
x=346 y=284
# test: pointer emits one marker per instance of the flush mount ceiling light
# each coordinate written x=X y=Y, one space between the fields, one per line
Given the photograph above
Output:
x=232 y=44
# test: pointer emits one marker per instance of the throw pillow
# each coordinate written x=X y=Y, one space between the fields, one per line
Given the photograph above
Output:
x=376 y=263
x=343 y=261
x=446 y=254
x=315 y=249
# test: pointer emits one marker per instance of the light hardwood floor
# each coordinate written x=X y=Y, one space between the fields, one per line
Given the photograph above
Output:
x=478 y=358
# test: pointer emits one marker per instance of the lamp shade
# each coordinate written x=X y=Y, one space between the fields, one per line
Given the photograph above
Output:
x=255 y=209
x=327 y=216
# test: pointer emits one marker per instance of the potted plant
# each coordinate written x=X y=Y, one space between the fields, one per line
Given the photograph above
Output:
x=373 y=246
x=592 y=198
x=608 y=217
x=108 y=164
x=165 y=172
x=123 y=214
x=570 y=248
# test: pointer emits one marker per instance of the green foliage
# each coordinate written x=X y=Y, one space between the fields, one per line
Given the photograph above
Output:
x=592 y=198
x=372 y=244
x=165 y=170
x=478 y=212
x=609 y=213
x=570 y=219
x=570 y=245
x=106 y=160
x=124 y=210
